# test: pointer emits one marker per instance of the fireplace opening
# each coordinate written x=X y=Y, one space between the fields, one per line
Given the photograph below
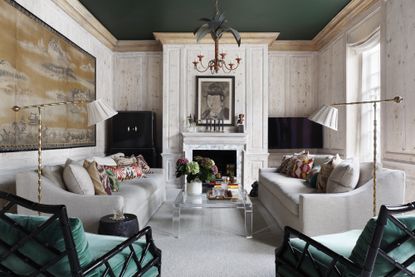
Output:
x=225 y=160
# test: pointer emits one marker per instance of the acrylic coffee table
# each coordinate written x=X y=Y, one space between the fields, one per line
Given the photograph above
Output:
x=186 y=201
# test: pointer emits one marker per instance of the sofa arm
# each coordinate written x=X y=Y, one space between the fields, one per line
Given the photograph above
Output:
x=88 y=208
x=324 y=213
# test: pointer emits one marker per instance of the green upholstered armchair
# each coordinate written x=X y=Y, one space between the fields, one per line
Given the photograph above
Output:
x=55 y=245
x=385 y=247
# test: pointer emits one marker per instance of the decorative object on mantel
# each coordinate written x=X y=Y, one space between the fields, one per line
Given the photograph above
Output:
x=215 y=99
x=216 y=27
x=97 y=111
x=328 y=117
x=240 y=124
x=191 y=123
x=40 y=65
x=199 y=171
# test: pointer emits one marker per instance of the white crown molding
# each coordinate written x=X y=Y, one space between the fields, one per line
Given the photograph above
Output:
x=189 y=38
x=337 y=25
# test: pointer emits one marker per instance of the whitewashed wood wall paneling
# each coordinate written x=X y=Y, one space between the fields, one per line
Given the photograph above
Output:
x=138 y=85
x=179 y=99
x=398 y=70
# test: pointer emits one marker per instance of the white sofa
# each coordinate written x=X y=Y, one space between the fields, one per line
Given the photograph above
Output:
x=141 y=197
x=293 y=203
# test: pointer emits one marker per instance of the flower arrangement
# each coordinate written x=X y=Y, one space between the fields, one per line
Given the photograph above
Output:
x=201 y=169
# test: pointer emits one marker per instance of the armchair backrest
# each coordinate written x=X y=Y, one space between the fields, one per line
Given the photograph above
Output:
x=389 y=242
x=39 y=245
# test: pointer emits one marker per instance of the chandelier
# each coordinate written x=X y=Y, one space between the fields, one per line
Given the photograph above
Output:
x=216 y=27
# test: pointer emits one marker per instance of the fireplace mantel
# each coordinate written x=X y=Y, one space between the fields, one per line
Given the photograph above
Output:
x=217 y=141
x=214 y=138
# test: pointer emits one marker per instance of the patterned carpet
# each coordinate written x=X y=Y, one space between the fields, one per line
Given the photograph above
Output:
x=212 y=243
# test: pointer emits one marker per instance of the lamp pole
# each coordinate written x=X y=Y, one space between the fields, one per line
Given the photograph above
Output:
x=396 y=99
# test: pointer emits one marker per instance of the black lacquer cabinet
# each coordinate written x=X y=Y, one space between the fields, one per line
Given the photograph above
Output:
x=133 y=132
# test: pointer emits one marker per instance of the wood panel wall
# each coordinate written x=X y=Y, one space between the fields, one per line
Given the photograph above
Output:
x=398 y=61
x=138 y=85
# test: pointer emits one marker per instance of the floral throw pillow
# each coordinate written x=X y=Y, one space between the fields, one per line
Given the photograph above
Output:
x=143 y=164
x=125 y=172
x=302 y=165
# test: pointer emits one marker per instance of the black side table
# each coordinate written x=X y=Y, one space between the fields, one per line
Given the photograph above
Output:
x=124 y=228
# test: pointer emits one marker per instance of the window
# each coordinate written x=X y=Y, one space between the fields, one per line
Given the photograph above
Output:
x=370 y=90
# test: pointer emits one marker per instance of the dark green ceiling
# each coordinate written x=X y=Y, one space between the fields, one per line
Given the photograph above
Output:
x=138 y=19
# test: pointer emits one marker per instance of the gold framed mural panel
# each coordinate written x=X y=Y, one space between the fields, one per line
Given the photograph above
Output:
x=38 y=65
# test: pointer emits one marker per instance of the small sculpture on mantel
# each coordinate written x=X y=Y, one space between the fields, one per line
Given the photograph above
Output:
x=240 y=123
x=191 y=123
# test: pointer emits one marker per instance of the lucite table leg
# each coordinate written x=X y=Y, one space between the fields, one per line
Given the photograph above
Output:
x=248 y=222
x=176 y=221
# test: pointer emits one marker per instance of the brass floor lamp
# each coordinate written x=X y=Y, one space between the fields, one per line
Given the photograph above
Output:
x=328 y=117
x=97 y=111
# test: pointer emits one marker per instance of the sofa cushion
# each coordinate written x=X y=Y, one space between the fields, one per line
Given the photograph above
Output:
x=325 y=172
x=54 y=173
x=100 y=245
x=77 y=180
x=91 y=167
x=391 y=234
x=52 y=235
x=286 y=189
x=344 y=176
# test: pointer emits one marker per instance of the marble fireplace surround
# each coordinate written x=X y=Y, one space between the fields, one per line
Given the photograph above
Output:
x=251 y=99
x=217 y=141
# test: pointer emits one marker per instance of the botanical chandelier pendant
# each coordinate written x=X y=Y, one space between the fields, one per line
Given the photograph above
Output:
x=216 y=27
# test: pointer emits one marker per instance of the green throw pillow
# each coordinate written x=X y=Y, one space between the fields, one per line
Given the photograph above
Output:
x=52 y=234
x=391 y=233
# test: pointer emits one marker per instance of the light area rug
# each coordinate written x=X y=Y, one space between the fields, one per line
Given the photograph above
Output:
x=212 y=243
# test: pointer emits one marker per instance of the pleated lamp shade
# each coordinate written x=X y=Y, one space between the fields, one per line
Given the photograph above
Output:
x=326 y=116
x=99 y=111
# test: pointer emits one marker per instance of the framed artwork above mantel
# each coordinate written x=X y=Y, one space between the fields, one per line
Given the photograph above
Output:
x=38 y=65
x=215 y=99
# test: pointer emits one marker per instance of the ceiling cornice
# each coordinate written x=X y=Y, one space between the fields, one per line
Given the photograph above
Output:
x=81 y=15
x=138 y=46
x=337 y=25
x=189 y=38
x=341 y=21
x=293 y=45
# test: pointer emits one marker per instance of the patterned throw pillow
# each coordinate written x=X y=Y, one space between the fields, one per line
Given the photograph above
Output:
x=113 y=181
x=125 y=172
x=302 y=165
x=143 y=164
x=125 y=161
x=325 y=172
x=105 y=180
x=283 y=168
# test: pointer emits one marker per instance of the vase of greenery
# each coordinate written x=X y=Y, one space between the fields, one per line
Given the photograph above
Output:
x=197 y=172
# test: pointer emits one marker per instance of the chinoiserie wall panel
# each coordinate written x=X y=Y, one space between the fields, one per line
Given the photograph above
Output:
x=10 y=163
x=398 y=66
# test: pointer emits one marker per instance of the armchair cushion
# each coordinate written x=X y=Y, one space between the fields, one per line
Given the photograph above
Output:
x=38 y=253
x=341 y=243
x=390 y=234
x=100 y=245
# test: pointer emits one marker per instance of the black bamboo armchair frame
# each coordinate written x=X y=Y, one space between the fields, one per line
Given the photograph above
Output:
x=386 y=213
x=58 y=213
